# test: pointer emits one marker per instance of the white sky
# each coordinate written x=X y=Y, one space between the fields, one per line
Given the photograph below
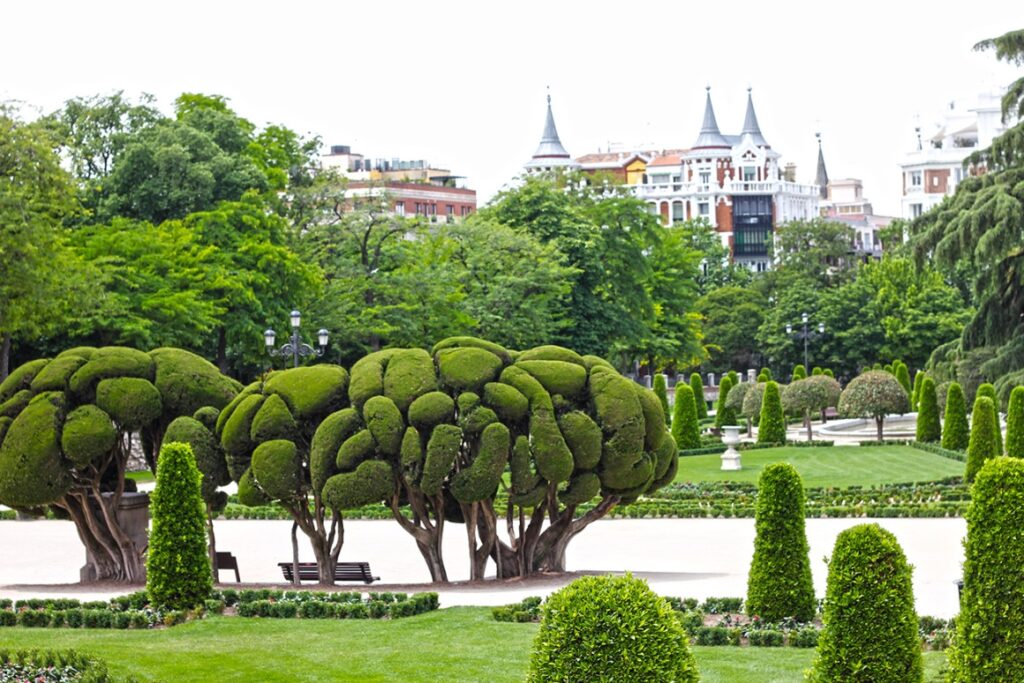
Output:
x=462 y=84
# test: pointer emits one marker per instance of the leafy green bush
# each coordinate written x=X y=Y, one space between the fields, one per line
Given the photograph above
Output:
x=697 y=384
x=870 y=628
x=874 y=394
x=767 y=637
x=929 y=430
x=779 y=584
x=526 y=610
x=1015 y=424
x=685 y=429
x=772 y=425
x=990 y=627
x=982 y=445
x=591 y=629
x=178 y=574
x=955 y=431
x=799 y=372
x=722 y=605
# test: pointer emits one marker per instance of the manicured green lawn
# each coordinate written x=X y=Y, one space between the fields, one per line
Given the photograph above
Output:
x=838 y=466
x=461 y=644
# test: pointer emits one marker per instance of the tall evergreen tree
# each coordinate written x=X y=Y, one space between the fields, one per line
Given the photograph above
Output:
x=697 y=384
x=661 y=391
x=1015 y=424
x=982 y=446
x=685 y=429
x=723 y=414
x=929 y=429
x=989 y=390
x=955 y=430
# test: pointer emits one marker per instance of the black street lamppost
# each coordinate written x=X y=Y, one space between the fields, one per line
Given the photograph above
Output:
x=807 y=335
x=295 y=347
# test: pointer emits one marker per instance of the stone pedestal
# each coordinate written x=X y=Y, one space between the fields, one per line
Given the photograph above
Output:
x=731 y=457
x=132 y=516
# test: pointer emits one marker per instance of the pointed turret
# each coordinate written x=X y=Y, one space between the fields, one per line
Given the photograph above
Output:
x=750 y=124
x=550 y=152
x=821 y=178
x=709 y=136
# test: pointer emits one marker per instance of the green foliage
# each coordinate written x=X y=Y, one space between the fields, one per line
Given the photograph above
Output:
x=132 y=402
x=409 y=375
x=697 y=385
x=310 y=392
x=724 y=415
x=989 y=390
x=685 y=427
x=590 y=629
x=436 y=407
x=661 y=391
x=772 y=424
x=1015 y=424
x=557 y=377
x=779 y=584
x=480 y=480
x=814 y=393
x=384 y=421
x=874 y=394
x=177 y=565
x=31 y=470
x=982 y=445
x=753 y=399
x=208 y=454
x=991 y=621
x=799 y=372
x=915 y=395
x=273 y=421
x=87 y=434
x=276 y=469
x=731 y=317
x=442 y=449
x=187 y=382
x=955 y=431
x=467 y=369
x=112 y=362
x=583 y=437
x=903 y=377
x=929 y=429
x=870 y=628
x=371 y=482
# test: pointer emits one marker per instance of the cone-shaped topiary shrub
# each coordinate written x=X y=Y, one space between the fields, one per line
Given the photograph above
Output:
x=685 y=429
x=955 y=430
x=661 y=391
x=982 y=445
x=1015 y=424
x=723 y=414
x=874 y=394
x=697 y=384
x=779 y=584
x=870 y=632
x=915 y=395
x=734 y=401
x=612 y=629
x=177 y=567
x=929 y=430
x=989 y=390
x=903 y=377
x=772 y=425
x=817 y=371
x=799 y=372
x=990 y=628
x=734 y=377
x=764 y=376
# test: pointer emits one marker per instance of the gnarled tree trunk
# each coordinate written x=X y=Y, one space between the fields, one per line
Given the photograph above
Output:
x=427 y=534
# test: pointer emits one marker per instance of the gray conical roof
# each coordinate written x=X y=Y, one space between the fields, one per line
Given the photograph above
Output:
x=710 y=136
x=550 y=146
x=821 y=178
x=750 y=123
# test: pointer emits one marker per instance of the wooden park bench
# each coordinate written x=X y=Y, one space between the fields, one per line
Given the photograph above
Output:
x=343 y=571
x=227 y=561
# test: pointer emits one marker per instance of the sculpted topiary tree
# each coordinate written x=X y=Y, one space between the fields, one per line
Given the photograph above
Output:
x=765 y=375
x=799 y=372
x=903 y=376
x=915 y=395
x=752 y=402
x=685 y=429
x=814 y=394
x=281 y=438
x=874 y=394
x=772 y=425
x=697 y=384
x=178 y=570
x=988 y=390
x=779 y=584
x=990 y=628
x=724 y=415
x=870 y=627
x=955 y=430
x=929 y=429
x=67 y=425
x=982 y=446
x=734 y=402
x=1015 y=424
x=661 y=391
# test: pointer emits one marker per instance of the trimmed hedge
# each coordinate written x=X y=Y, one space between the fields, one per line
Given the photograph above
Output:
x=772 y=424
x=929 y=430
x=982 y=445
x=178 y=574
x=990 y=628
x=955 y=430
x=870 y=632
x=591 y=631
x=779 y=584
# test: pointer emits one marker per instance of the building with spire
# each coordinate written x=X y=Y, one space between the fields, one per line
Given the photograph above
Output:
x=733 y=181
x=843 y=201
x=550 y=154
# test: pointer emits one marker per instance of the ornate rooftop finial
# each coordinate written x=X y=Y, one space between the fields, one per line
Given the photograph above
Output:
x=750 y=124
x=709 y=135
x=821 y=177
x=550 y=152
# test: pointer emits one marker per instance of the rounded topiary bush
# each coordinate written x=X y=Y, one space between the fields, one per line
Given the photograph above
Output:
x=874 y=394
x=990 y=628
x=929 y=429
x=178 y=574
x=685 y=428
x=955 y=430
x=613 y=629
x=779 y=584
x=982 y=445
x=724 y=415
x=799 y=372
x=870 y=632
x=1015 y=424
x=772 y=425
x=697 y=384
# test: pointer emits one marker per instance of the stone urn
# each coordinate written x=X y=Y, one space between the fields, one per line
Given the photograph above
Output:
x=731 y=457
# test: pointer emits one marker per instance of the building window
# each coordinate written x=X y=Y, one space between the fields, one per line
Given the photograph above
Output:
x=749 y=173
x=450 y=210
x=704 y=208
x=705 y=177
x=677 y=212
x=399 y=208
x=915 y=210
x=935 y=181
x=419 y=208
x=915 y=179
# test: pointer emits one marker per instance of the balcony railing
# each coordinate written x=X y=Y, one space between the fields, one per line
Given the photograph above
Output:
x=666 y=190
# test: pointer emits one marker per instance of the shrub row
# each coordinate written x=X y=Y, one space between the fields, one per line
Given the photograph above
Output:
x=525 y=611
x=76 y=617
x=400 y=605
x=53 y=666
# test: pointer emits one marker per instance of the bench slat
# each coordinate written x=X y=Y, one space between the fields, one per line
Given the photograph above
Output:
x=343 y=571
